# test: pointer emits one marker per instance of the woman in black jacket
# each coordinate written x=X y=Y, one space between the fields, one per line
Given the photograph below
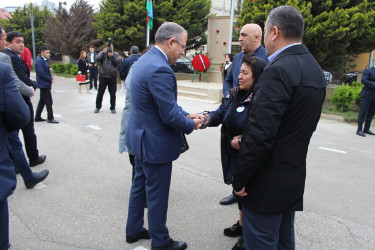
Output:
x=83 y=69
x=232 y=116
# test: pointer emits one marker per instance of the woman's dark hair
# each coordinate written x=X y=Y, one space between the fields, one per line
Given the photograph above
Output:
x=230 y=56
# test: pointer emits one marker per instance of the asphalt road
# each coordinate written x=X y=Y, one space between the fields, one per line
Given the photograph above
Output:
x=83 y=202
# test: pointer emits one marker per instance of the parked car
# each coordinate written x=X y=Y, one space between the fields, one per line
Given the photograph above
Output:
x=182 y=66
x=350 y=77
x=327 y=76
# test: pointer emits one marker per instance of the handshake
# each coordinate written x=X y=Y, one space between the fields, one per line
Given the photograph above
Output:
x=201 y=121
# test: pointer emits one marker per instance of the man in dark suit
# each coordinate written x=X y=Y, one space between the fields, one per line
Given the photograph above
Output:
x=14 y=114
x=367 y=110
x=93 y=67
x=15 y=47
x=286 y=108
x=128 y=62
x=44 y=80
x=154 y=136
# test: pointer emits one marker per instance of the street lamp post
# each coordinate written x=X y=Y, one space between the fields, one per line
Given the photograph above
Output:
x=32 y=32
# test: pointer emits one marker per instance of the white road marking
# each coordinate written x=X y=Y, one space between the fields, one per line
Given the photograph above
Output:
x=59 y=91
x=93 y=127
x=140 y=248
x=57 y=115
x=40 y=185
x=333 y=150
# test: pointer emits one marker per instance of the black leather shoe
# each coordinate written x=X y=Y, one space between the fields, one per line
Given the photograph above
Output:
x=229 y=200
x=233 y=231
x=38 y=177
x=173 y=245
x=39 y=160
x=240 y=245
x=39 y=119
x=368 y=132
x=53 y=121
x=142 y=235
x=360 y=133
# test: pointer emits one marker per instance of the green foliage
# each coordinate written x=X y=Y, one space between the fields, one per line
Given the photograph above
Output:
x=69 y=32
x=68 y=66
x=74 y=70
x=344 y=96
x=20 y=21
x=125 y=21
x=334 y=30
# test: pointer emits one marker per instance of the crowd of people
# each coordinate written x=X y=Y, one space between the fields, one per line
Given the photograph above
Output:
x=273 y=97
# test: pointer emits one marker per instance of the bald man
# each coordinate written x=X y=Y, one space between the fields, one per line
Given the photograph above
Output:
x=250 y=39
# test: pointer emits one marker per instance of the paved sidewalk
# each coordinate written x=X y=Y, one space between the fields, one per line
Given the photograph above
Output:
x=83 y=202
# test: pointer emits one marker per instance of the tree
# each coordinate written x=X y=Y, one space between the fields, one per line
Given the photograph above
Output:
x=334 y=30
x=70 y=32
x=125 y=21
x=20 y=22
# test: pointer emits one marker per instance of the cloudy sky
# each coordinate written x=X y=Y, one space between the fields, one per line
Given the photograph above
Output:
x=12 y=3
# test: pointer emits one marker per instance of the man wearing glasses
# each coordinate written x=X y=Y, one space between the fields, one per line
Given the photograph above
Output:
x=154 y=136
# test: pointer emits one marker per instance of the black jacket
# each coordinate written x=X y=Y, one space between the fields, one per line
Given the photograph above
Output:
x=284 y=114
x=108 y=66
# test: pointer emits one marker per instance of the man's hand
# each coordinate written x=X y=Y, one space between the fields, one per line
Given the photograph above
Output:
x=110 y=54
x=53 y=79
x=241 y=193
x=197 y=123
x=196 y=116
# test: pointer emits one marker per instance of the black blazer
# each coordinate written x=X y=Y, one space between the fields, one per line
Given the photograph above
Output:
x=285 y=111
x=20 y=68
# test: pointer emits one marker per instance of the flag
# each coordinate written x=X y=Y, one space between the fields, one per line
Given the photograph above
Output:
x=150 y=14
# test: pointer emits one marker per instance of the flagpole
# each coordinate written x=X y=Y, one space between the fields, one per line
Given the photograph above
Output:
x=231 y=27
x=148 y=35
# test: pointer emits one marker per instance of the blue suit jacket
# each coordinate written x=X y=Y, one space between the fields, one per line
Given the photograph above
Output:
x=128 y=62
x=231 y=80
x=156 y=121
x=20 y=68
x=43 y=74
x=14 y=114
x=368 y=80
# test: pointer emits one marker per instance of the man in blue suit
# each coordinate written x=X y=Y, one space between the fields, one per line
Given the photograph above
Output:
x=14 y=114
x=44 y=80
x=154 y=136
x=367 y=110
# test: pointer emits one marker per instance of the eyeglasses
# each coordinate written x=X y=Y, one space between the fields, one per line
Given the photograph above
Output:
x=182 y=46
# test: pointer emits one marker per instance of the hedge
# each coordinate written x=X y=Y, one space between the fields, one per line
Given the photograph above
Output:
x=345 y=96
x=68 y=68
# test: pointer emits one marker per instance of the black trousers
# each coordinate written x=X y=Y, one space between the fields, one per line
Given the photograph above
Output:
x=366 y=113
x=45 y=100
x=103 y=83
x=93 y=76
x=29 y=136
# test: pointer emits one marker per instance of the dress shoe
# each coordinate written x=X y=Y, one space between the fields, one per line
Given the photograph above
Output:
x=53 y=121
x=38 y=177
x=229 y=200
x=39 y=160
x=96 y=110
x=368 y=132
x=39 y=119
x=142 y=235
x=113 y=111
x=360 y=133
x=233 y=231
x=173 y=245
x=240 y=245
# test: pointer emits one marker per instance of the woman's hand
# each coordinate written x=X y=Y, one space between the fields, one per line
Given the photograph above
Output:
x=236 y=141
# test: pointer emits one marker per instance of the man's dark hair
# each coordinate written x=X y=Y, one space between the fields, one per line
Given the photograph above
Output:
x=122 y=53
x=13 y=34
x=92 y=46
x=43 y=48
x=134 y=50
x=289 y=20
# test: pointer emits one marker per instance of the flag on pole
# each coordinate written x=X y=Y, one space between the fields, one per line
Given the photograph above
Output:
x=150 y=14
